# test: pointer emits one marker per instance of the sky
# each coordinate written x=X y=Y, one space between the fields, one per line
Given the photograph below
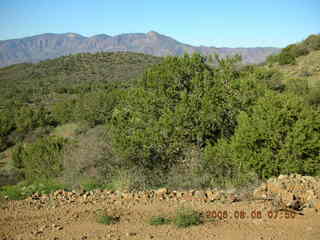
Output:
x=219 y=23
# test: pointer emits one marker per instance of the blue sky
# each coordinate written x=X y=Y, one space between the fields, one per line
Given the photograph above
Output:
x=229 y=23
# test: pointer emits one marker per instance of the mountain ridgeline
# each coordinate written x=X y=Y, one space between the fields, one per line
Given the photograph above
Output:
x=49 y=45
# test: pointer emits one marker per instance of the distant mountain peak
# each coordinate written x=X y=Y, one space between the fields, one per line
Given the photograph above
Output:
x=100 y=36
x=153 y=34
x=73 y=35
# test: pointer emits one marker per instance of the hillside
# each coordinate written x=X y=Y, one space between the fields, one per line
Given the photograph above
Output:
x=299 y=66
x=306 y=67
x=46 y=46
x=57 y=75
x=37 y=98
x=132 y=121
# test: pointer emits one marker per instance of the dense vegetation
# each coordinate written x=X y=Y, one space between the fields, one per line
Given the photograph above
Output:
x=83 y=87
x=113 y=120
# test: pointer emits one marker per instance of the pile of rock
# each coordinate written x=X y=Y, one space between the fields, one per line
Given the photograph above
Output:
x=62 y=197
x=292 y=190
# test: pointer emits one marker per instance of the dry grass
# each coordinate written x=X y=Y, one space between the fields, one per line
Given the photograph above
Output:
x=68 y=130
x=307 y=67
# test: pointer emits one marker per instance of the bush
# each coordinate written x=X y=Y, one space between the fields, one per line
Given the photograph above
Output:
x=42 y=159
x=298 y=86
x=279 y=136
x=12 y=192
x=272 y=78
x=96 y=107
x=313 y=42
x=313 y=97
x=28 y=118
x=177 y=104
x=89 y=159
x=286 y=58
x=7 y=125
x=6 y=122
x=158 y=220
x=64 y=110
x=186 y=217
x=107 y=220
x=225 y=171
x=25 y=189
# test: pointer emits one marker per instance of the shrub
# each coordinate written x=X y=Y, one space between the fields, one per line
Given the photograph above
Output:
x=6 y=122
x=298 y=86
x=89 y=159
x=286 y=58
x=42 y=186
x=313 y=42
x=220 y=164
x=28 y=118
x=12 y=192
x=158 y=220
x=178 y=103
x=107 y=220
x=25 y=189
x=64 y=110
x=186 y=217
x=313 y=97
x=279 y=136
x=41 y=159
x=7 y=125
x=92 y=184
x=272 y=78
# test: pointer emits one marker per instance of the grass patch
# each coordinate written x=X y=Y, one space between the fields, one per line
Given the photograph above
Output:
x=186 y=217
x=94 y=185
x=24 y=190
x=69 y=130
x=107 y=220
x=12 y=192
x=158 y=220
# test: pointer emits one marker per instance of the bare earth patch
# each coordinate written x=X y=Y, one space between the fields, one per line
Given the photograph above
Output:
x=71 y=215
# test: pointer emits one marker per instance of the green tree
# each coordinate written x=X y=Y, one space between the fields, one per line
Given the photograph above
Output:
x=178 y=103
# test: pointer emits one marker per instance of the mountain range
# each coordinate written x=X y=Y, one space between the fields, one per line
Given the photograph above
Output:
x=49 y=45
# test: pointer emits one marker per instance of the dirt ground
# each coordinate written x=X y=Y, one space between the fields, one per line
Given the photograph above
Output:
x=31 y=219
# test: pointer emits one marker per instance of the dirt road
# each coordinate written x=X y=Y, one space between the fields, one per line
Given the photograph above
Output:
x=76 y=218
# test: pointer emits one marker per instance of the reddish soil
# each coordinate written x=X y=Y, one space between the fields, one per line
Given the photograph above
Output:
x=54 y=219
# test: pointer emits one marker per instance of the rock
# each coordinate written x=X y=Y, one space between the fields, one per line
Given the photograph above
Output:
x=316 y=204
x=275 y=188
x=282 y=177
x=57 y=227
x=217 y=196
x=130 y=234
x=295 y=204
x=259 y=194
x=200 y=195
x=233 y=198
x=287 y=197
x=308 y=196
x=210 y=195
x=162 y=191
x=180 y=194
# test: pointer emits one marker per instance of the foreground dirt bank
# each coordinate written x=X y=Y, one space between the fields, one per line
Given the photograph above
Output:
x=262 y=214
